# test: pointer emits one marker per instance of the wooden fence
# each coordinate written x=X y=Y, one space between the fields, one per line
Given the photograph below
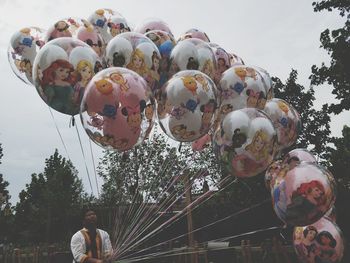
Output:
x=245 y=253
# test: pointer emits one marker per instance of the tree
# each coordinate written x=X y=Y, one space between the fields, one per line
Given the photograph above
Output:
x=145 y=170
x=315 y=131
x=51 y=200
x=339 y=157
x=5 y=205
x=337 y=44
x=4 y=193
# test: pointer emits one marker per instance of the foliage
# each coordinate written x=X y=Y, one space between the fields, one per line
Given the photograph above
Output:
x=50 y=203
x=337 y=44
x=144 y=170
x=315 y=131
x=339 y=157
x=5 y=206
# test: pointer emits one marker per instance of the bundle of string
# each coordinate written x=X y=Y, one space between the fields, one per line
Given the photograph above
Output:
x=136 y=224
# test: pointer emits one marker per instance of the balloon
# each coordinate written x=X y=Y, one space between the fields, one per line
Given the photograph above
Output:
x=165 y=43
x=303 y=155
x=303 y=194
x=320 y=242
x=194 y=33
x=62 y=70
x=236 y=60
x=265 y=76
x=245 y=142
x=108 y=23
x=136 y=52
x=23 y=48
x=241 y=87
x=286 y=121
x=289 y=161
x=187 y=105
x=90 y=36
x=193 y=54
x=117 y=110
x=66 y=27
x=150 y=24
x=222 y=59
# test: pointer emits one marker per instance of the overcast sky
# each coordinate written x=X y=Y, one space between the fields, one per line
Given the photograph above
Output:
x=275 y=35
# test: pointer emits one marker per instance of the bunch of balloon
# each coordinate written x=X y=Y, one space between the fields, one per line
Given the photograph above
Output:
x=303 y=194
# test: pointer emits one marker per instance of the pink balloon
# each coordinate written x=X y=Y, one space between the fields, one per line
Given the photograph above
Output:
x=117 y=110
x=302 y=194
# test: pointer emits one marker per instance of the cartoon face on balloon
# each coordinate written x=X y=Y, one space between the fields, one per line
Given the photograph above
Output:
x=286 y=121
x=303 y=194
x=117 y=109
x=187 y=105
x=319 y=242
x=245 y=142
x=62 y=70
x=23 y=48
x=165 y=43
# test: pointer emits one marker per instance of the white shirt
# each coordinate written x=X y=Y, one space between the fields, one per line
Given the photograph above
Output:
x=78 y=245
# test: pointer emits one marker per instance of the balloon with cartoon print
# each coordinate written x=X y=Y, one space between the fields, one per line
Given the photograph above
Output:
x=187 y=106
x=108 y=23
x=321 y=241
x=223 y=61
x=302 y=155
x=286 y=121
x=22 y=50
x=150 y=24
x=66 y=27
x=194 y=33
x=92 y=37
x=267 y=81
x=136 y=52
x=117 y=110
x=62 y=69
x=165 y=43
x=241 y=87
x=245 y=142
x=302 y=193
x=193 y=54
x=289 y=161
x=236 y=60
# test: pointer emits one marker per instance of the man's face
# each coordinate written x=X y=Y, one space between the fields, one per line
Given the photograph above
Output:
x=90 y=218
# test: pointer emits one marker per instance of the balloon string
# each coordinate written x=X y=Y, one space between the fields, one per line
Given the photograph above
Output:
x=171 y=252
x=206 y=196
x=147 y=217
x=82 y=151
x=208 y=225
x=139 y=211
x=94 y=166
x=59 y=133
